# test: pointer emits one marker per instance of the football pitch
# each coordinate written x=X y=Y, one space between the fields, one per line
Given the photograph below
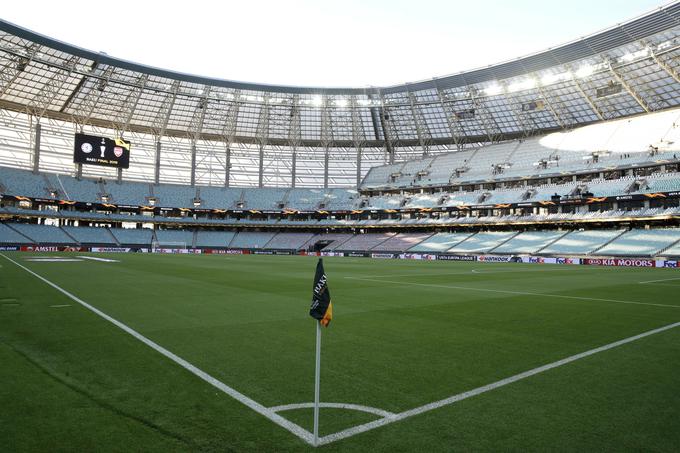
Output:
x=216 y=353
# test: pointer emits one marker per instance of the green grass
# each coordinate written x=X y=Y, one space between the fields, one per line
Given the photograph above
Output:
x=402 y=336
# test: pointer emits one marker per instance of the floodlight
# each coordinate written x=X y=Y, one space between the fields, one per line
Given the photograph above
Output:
x=493 y=89
x=584 y=71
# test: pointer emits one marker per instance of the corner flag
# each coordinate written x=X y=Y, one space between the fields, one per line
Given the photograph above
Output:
x=322 y=308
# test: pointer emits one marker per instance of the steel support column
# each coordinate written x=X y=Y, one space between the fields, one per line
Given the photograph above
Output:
x=193 y=165
x=36 y=147
x=292 y=169
x=157 y=164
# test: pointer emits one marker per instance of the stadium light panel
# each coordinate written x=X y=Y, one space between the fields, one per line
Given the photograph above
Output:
x=522 y=85
x=585 y=71
x=549 y=79
x=317 y=101
x=493 y=90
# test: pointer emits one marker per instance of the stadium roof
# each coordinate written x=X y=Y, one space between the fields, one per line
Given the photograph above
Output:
x=629 y=69
x=661 y=19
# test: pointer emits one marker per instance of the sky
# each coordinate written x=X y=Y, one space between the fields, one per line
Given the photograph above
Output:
x=346 y=43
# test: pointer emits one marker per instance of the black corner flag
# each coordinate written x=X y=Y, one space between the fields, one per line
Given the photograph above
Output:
x=321 y=309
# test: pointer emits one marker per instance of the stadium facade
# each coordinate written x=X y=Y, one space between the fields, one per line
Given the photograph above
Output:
x=587 y=133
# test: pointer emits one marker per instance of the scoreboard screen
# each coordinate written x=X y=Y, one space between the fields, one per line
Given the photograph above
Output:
x=95 y=150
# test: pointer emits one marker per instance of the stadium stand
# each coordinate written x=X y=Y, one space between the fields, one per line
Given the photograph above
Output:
x=174 y=237
x=133 y=237
x=174 y=195
x=219 y=197
x=641 y=242
x=69 y=188
x=440 y=242
x=529 y=242
x=217 y=239
x=363 y=242
x=9 y=235
x=251 y=240
x=599 y=146
x=482 y=242
x=43 y=234
x=289 y=241
x=329 y=241
x=581 y=242
x=305 y=199
x=263 y=198
x=401 y=242
x=127 y=193
x=90 y=236
x=23 y=183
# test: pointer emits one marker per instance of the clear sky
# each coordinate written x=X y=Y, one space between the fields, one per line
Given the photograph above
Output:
x=320 y=42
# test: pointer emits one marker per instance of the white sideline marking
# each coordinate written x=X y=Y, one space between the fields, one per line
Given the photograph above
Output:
x=53 y=260
x=486 y=388
x=520 y=293
x=661 y=280
x=60 y=306
x=240 y=397
x=351 y=407
x=474 y=271
x=94 y=258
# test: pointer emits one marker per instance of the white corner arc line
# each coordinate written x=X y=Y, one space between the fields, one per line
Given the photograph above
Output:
x=519 y=293
x=240 y=397
x=486 y=388
x=348 y=406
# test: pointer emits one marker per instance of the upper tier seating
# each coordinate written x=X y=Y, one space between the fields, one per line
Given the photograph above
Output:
x=219 y=197
x=23 y=183
x=174 y=196
x=127 y=193
x=641 y=242
x=581 y=242
x=69 y=188
x=600 y=146
x=305 y=199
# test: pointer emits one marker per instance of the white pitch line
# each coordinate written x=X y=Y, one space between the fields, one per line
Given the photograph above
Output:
x=94 y=258
x=519 y=293
x=661 y=280
x=474 y=271
x=348 y=406
x=486 y=388
x=60 y=306
x=240 y=397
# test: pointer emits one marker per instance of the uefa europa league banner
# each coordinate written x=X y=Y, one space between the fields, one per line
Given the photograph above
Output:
x=95 y=150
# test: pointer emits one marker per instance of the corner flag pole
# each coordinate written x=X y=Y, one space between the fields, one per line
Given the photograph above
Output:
x=317 y=383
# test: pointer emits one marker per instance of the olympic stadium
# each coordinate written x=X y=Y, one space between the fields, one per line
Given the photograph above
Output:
x=501 y=245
